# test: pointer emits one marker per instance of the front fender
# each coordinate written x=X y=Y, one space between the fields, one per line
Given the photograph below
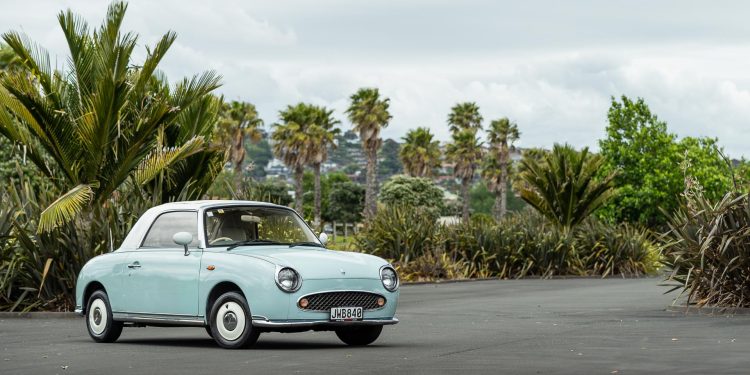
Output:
x=254 y=276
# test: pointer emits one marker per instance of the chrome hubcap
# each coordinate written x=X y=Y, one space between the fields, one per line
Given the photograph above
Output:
x=230 y=321
x=98 y=317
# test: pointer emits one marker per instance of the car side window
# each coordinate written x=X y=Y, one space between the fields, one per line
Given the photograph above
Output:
x=167 y=224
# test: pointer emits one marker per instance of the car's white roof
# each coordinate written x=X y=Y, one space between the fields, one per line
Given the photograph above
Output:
x=195 y=205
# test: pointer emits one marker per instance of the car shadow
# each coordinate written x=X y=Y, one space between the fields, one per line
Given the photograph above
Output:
x=260 y=345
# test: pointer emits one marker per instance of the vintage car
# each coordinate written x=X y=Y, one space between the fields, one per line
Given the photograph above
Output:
x=237 y=268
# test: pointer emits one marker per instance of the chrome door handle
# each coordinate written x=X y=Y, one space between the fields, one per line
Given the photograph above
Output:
x=134 y=265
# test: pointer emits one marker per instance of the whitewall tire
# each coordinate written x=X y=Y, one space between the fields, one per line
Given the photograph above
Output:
x=231 y=322
x=99 y=322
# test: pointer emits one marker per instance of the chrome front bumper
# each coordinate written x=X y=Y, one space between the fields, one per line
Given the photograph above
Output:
x=265 y=323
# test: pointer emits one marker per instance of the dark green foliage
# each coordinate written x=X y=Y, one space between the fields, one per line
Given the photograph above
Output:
x=326 y=184
x=389 y=163
x=259 y=154
x=706 y=250
x=346 y=200
x=412 y=191
x=482 y=200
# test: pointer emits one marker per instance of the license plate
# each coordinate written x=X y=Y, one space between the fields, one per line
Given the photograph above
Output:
x=344 y=314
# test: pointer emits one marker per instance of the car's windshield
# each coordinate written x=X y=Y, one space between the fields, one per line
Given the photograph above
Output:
x=232 y=225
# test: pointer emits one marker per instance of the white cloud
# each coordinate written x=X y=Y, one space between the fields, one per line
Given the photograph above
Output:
x=551 y=69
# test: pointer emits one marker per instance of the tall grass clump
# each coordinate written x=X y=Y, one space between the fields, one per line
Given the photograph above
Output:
x=706 y=250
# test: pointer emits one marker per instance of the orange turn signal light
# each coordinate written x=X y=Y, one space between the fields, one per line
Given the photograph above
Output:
x=303 y=303
x=211 y=268
x=381 y=301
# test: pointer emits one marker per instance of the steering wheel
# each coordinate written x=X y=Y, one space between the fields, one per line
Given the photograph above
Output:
x=215 y=240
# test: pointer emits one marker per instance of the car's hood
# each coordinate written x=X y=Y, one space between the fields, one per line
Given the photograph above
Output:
x=317 y=263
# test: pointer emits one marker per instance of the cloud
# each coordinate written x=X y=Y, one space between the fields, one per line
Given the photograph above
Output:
x=550 y=68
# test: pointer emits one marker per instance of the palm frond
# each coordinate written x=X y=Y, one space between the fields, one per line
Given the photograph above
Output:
x=65 y=208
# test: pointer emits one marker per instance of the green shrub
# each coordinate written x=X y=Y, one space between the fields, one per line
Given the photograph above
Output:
x=522 y=244
x=399 y=233
x=706 y=250
x=412 y=191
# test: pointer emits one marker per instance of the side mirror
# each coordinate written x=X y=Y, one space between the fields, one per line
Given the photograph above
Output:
x=323 y=237
x=183 y=239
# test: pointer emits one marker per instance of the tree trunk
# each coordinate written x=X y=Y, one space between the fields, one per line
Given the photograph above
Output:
x=316 y=220
x=237 y=151
x=371 y=184
x=465 y=196
x=503 y=195
x=298 y=174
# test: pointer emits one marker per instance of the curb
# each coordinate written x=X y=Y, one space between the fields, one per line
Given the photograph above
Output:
x=573 y=277
x=39 y=315
x=709 y=310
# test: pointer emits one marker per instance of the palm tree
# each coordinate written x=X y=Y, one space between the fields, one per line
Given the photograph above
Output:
x=420 y=153
x=466 y=153
x=321 y=133
x=563 y=186
x=368 y=112
x=239 y=121
x=291 y=143
x=464 y=116
x=501 y=135
x=94 y=127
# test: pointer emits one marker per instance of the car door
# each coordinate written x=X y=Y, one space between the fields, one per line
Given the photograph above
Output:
x=160 y=278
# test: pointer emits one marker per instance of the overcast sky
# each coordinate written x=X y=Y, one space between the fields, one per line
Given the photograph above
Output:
x=551 y=66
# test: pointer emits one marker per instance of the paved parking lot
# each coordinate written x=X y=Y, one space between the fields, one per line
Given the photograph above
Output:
x=574 y=326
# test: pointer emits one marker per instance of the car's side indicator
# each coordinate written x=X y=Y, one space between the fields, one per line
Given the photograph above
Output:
x=211 y=267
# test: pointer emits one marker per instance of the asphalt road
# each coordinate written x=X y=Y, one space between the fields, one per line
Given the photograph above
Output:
x=576 y=326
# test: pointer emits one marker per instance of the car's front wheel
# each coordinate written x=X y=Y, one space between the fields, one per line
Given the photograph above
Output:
x=99 y=322
x=231 y=322
x=359 y=336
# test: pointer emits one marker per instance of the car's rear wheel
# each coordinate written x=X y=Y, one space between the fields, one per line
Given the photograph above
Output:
x=359 y=336
x=231 y=323
x=99 y=322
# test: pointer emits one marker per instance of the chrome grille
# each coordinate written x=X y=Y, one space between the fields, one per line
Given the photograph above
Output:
x=325 y=301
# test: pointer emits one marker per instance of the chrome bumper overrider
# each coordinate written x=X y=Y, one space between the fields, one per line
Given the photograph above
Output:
x=265 y=323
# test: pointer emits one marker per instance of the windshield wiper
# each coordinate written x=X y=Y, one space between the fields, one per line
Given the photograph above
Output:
x=305 y=243
x=253 y=242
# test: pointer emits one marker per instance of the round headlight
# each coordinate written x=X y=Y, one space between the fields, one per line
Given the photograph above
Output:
x=288 y=280
x=389 y=278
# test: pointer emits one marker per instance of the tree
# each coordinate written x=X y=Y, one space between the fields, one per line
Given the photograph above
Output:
x=412 y=192
x=646 y=155
x=93 y=128
x=239 y=121
x=321 y=132
x=420 y=153
x=260 y=154
x=464 y=116
x=389 y=164
x=563 y=185
x=501 y=135
x=291 y=143
x=326 y=184
x=368 y=112
x=466 y=153
x=346 y=202
x=702 y=160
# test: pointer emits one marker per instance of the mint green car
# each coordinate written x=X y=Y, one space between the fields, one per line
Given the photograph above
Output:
x=237 y=268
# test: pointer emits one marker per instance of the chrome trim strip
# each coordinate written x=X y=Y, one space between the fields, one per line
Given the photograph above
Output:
x=321 y=323
x=79 y=311
x=339 y=291
x=159 y=319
